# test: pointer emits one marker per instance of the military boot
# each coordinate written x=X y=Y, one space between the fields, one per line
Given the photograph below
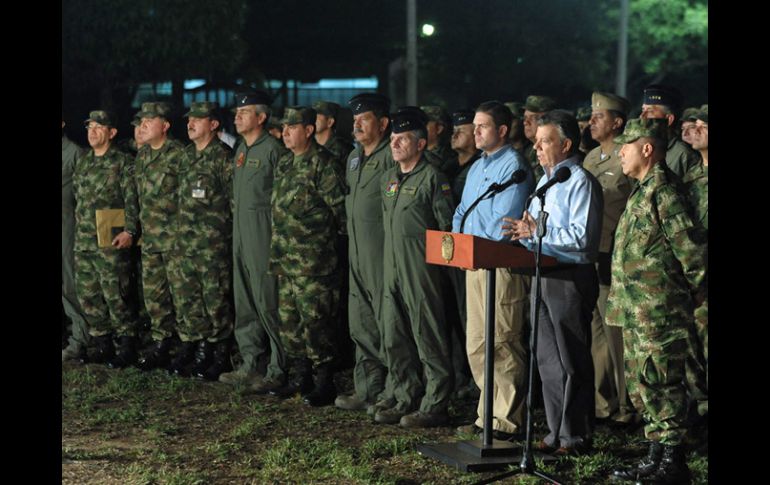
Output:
x=220 y=362
x=204 y=356
x=126 y=355
x=672 y=469
x=185 y=352
x=646 y=467
x=324 y=391
x=104 y=350
x=74 y=351
x=158 y=357
x=301 y=381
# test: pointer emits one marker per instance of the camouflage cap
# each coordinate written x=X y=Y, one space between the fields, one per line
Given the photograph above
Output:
x=663 y=94
x=583 y=113
x=361 y=103
x=407 y=121
x=517 y=109
x=326 y=108
x=464 y=117
x=202 y=109
x=273 y=122
x=104 y=118
x=695 y=114
x=155 y=110
x=137 y=119
x=416 y=111
x=436 y=113
x=640 y=128
x=539 y=104
x=610 y=101
x=252 y=97
x=298 y=114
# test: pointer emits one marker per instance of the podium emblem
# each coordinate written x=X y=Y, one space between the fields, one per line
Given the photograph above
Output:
x=447 y=247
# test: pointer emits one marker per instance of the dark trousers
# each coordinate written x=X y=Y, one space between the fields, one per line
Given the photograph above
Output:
x=564 y=352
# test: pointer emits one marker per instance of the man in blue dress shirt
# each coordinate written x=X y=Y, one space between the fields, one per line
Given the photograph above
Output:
x=569 y=294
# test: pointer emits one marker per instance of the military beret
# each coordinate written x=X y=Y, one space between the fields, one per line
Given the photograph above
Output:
x=364 y=102
x=464 y=117
x=611 y=101
x=294 y=115
x=326 y=108
x=155 y=109
x=407 y=121
x=202 y=109
x=539 y=104
x=416 y=111
x=583 y=113
x=251 y=98
x=436 y=113
x=641 y=128
x=517 y=109
x=104 y=118
x=663 y=94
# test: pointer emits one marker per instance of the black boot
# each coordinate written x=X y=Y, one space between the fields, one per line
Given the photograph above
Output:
x=646 y=467
x=301 y=381
x=203 y=358
x=158 y=357
x=324 y=391
x=185 y=352
x=104 y=350
x=220 y=362
x=126 y=356
x=673 y=468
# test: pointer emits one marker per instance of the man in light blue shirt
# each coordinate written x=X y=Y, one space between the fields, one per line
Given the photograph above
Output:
x=498 y=162
x=569 y=294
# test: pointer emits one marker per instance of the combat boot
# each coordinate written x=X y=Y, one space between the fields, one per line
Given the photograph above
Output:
x=204 y=356
x=185 y=352
x=324 y=391
x=672 y=469
x=126 y=355
x=74 y=351
x=301 y=381
x=220 y=362
x=104 y=349
x=158 y=357
x=646 y=467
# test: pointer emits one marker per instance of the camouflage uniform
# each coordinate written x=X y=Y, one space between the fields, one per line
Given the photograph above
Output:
x=255 y=289
x=70 y=153
x=415 y=330
x=157 y=183
x=659 y=261
x=530 y=155
x=202 y=282
x=307 y=204
x=103 y=274
x=340 y=148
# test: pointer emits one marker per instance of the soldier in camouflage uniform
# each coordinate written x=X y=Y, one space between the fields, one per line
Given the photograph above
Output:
x=76 y=348
x=365 y=166
x=326 y=131
x=516 y=136
x=416 y=197
x=255 y=288
x=534 y=108
x=202 y=282
x=104 y=179
x=439 y=126
x=308 y=213
x=659 y=262
x=665 y=102
x=157 y=181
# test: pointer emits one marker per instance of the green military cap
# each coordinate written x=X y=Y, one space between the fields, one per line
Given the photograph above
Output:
x=517 y=109
x=361 y=103
x=155 y=109
x=600 y=100
x=407 y=120
x=202 y=109
x=137 y=120
x=539 y=104
x=298 y=114
x=639 y=128
x=102 y=117
x=326 y=108
x=436 y=113
x=695 y=114
x=583 y=113
x=273 y=122
x=464 y=117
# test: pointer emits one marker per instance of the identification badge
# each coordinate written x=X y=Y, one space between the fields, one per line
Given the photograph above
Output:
x=198 y=193
x=354 y=163
x=409 y=190
x=253 y=163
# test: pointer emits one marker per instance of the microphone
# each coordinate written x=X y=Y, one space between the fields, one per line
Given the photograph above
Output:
x=517 y=177
x=560 y=176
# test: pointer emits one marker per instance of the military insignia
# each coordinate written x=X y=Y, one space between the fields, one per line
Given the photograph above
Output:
x=198 y=193
x=241 y=158
x=446 y=188
x=409 y=190
x=391 y=189
x=354 y=163
x=447 y=247
x=253 y=163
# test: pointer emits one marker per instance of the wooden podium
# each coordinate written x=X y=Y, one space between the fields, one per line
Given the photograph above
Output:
x=472 y=252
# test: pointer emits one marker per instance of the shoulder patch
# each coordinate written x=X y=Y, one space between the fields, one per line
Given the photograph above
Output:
x=391 y=189
x=446 y=188
x=354 y=163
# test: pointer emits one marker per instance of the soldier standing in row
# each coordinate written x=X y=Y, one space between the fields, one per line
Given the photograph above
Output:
x=534 y=108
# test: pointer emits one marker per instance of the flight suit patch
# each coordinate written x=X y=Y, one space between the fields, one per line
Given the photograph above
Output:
x=391 y=189
x=409 y=190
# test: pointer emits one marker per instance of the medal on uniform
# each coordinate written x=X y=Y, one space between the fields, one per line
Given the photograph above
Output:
x=391 y=189
x=198 y=192
x=354 y=163
x=241 y=158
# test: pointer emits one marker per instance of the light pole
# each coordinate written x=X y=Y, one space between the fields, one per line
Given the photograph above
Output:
x=411 y=52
